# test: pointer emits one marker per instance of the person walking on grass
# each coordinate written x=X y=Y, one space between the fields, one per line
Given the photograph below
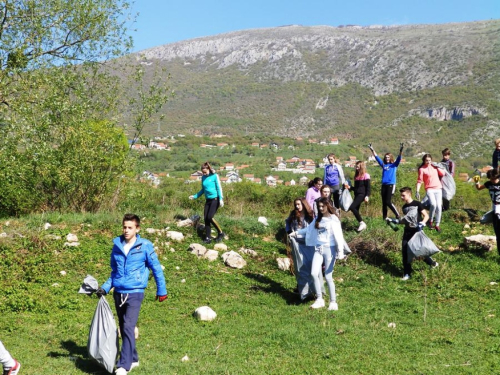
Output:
x=313 y=192
x=362 y=191
x=131 y=259
x=325 y=235
x=430 y=175
x=211 y=187
x=414 y=219
x=389 y=168
x=10 y=365
x=493 y=186
x=450 y=167
x=495 y=160
x=334 y=177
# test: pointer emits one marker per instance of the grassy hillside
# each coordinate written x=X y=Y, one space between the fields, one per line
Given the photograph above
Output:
x=445 y=319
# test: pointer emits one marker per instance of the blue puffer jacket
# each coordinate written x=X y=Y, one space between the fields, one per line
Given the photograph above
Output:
x=130 y=273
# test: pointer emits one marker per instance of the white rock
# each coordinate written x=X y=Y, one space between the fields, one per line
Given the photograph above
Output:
x=150 y=230
x=163 y=267
x=71 y=244
x=487 y=243
x=233 y=259
x=71 y=237
x=172 y=250
x=185 y=358
x=47 y=226
x=283 y=263
x=176 y=236
x=7 y=223
x=391 y=325
x=197 y=249
x=183 y=281
x=205 y=313
x=3 y=234
x=63 y=273
x=250 y=252
x=263 y=220
x=53 y=237
x=220 y=247
x=177 y=268
x=466 y=226
x=55 y=285
x=493 y=283
x=211 y=255
x=184 y=223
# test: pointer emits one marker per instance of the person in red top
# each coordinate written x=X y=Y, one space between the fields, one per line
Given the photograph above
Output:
x=430 y=175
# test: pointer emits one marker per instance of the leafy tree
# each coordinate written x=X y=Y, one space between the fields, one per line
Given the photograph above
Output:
x=60 y=142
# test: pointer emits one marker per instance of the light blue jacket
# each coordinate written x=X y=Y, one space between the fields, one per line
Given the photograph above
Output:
x=130 y=273
x=210 y=186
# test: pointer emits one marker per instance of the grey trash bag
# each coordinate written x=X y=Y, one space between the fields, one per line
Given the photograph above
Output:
x=448 y=182
x=302 y=256
x=89 y=285
x=103 y=336
x=345 y=199
x=421 y=246
x=487 y=218
x=426 y=202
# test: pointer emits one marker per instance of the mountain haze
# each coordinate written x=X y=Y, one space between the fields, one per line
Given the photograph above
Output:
x=429 y=85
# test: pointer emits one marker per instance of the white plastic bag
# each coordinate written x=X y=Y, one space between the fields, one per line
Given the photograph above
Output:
x=421 y=246
x=345 y=199
x=103 y=336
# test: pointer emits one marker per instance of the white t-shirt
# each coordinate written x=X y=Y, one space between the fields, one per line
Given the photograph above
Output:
x=128 y=246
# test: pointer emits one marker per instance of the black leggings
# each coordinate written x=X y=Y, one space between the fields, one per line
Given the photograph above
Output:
x=356 y=203
x=496 y=227
x=211 y=206
x=387 y=193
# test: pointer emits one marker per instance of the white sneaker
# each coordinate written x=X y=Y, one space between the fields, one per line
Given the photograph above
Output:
x=134 y=365
x=120 y=371
x=405 y=278
x=362 y=226
x=319 y=303
x=435 y=265
x=333 y=306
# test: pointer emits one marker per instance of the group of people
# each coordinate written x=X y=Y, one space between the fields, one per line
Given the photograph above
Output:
x=314 y=227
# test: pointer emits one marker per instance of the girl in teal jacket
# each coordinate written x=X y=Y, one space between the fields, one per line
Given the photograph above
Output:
x=210 y=186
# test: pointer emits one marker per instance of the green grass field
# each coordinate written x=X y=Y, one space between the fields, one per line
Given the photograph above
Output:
x=446 y=319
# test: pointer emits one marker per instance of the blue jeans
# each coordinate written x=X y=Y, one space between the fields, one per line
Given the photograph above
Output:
x=326 y=254
x=128 y=307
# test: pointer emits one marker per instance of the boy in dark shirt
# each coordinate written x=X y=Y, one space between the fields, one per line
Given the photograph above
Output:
x=414 y=219
x=493 y=186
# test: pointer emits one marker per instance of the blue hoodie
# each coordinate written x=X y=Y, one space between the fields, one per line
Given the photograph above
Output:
x=389 y=170
x=130 y=273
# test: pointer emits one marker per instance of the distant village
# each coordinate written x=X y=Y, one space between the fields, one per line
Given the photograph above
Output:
x=230 y=173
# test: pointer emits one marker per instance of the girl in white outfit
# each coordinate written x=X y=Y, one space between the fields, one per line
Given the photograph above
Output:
x=325 y=234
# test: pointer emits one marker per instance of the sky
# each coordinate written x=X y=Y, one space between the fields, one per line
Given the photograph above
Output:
x=161 y=22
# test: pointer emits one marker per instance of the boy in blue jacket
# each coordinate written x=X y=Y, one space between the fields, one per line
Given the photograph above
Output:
x=131 y=259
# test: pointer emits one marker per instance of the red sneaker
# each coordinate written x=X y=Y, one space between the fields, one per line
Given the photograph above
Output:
x=437 y=228
x=14 y=370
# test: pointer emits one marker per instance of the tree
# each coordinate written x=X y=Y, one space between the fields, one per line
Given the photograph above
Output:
x=61 y=146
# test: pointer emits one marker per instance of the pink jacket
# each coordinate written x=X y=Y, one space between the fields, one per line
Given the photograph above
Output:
x=430 y=176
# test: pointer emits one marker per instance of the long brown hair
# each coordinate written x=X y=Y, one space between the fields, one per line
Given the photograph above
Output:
x=362 y=169
x=328 y=203
x=423 y=159
x=391 y=158
x=306 y=209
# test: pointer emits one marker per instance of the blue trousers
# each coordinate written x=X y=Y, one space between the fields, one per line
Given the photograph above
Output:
x=128 y=307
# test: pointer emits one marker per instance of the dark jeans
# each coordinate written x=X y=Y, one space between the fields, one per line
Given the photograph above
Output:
x=335 y=195
x=211 y=206
x=446 y=204
x=496 y=227
x=128 y=307
x=387 y=193
x=356 y=203
x=407 y=269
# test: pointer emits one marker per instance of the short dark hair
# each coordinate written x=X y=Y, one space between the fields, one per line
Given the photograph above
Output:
x=132 y=217
x=405 y=189
x=493 y=173
x=446 y=151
